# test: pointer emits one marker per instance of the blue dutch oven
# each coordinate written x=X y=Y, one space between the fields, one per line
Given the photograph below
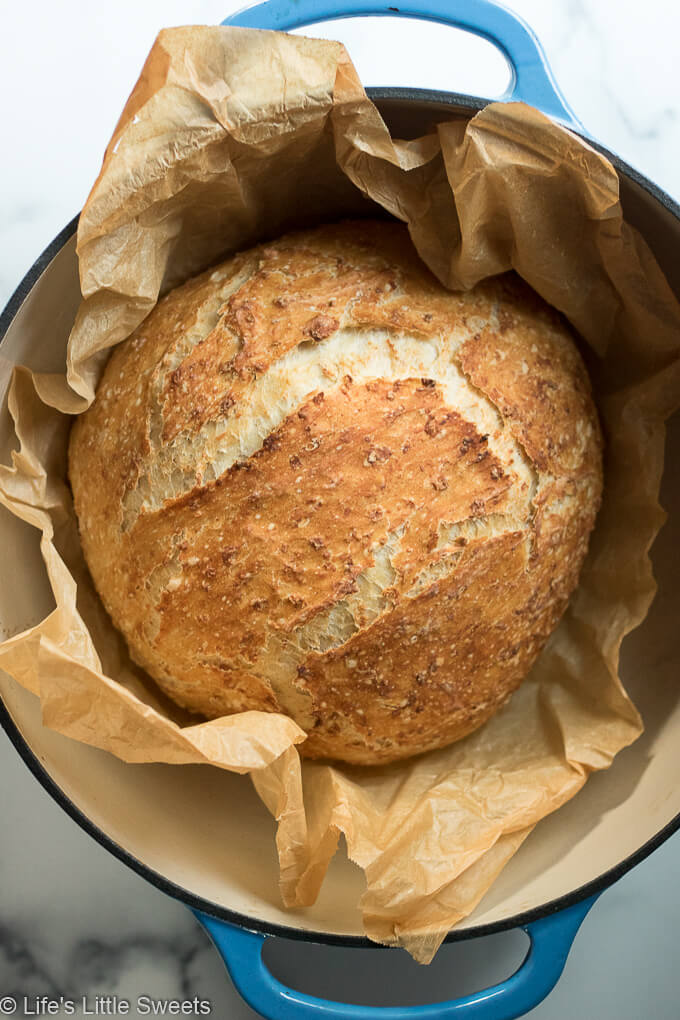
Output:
x=226 y=871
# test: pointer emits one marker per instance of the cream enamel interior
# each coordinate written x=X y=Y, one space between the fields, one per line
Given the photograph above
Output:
x=206 y=830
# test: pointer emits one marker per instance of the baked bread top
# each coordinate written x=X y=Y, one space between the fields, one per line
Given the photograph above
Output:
x=315 y=481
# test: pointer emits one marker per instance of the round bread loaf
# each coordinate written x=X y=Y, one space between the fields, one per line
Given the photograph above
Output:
x=314 y=481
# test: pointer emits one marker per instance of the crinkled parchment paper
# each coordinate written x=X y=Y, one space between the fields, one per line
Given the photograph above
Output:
x=231 y=136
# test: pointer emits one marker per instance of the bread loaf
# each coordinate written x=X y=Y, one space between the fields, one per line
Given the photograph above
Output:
x=314 y=481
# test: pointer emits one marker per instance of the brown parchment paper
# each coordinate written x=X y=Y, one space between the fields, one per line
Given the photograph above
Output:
x=230 y=136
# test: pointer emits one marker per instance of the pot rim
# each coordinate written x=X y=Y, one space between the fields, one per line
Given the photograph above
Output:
x=463 y=103
x=473 y=104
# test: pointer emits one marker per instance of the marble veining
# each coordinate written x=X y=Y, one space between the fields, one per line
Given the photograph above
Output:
x=96 y=966
x=74 y=921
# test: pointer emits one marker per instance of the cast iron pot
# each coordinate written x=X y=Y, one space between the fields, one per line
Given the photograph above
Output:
x=201 y=834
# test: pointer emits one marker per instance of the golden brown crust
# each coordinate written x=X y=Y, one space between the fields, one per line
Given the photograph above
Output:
x=315 y=481
x=522 y=366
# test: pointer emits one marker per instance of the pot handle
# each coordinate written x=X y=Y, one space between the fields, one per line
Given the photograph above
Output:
x=551 y=939
x=532 y=79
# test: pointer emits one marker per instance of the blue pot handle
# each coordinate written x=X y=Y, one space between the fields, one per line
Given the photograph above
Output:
x=551 y=939
x=532 y=80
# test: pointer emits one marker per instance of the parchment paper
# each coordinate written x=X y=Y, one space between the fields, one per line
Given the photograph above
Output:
x=231 y=136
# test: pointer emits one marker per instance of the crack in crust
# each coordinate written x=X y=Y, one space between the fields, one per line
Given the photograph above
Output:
x=192 y=461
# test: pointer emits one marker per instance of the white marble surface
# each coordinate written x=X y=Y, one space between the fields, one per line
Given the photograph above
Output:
x=73 y=920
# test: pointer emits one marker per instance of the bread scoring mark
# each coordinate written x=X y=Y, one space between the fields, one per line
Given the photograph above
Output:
x=281 y=665
x=206 y=322
x=284 y=654
x=529 y=463
x=376 y=595
x=192 y=461
x=522 y=372
x=454 y=537
x=209 y=315
x=416 y=670
x=283 y=302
